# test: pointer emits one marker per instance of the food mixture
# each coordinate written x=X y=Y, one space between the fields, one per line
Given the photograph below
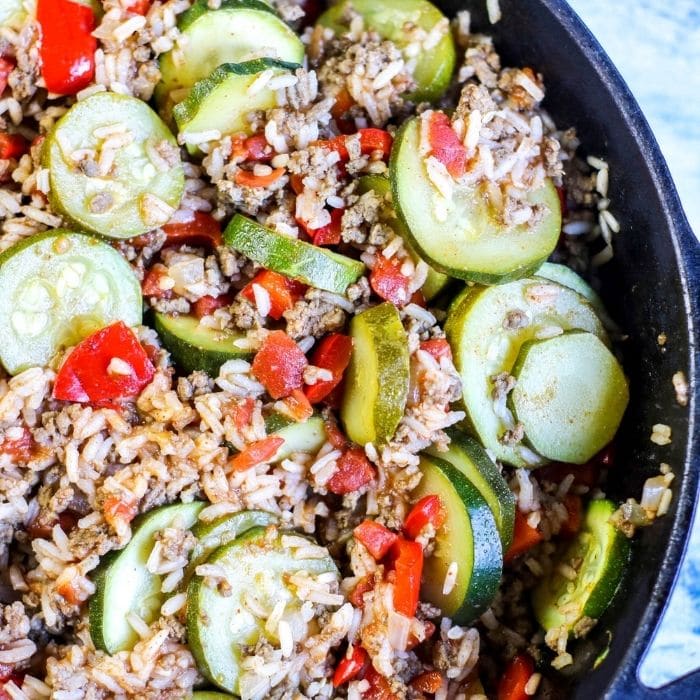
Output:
x=303 y=394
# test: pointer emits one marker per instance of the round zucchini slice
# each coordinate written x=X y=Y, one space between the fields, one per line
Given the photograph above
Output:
x=209 y=695
x=570 y=396
x=389 y=18
x=56 y=288
x=124 y=585
x=486 y=330
x=468 y=240
x=114 y=167
x=598 y=555
x=377 y=379
x=468 y=539
x=219 y=623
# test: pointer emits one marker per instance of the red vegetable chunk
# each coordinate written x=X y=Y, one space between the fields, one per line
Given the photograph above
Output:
x=375 y=537
x=428 y=510
x=445 y=144
x=354 y=472
x=515 y=678
x=333 y=353
x=279 y=365
x=408 y=565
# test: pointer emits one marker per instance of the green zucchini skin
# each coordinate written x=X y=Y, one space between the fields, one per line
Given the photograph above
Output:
x=469 y=537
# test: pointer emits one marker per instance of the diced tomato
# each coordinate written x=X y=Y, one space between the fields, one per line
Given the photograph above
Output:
x=283 y=291
x=256 y=453
x=515 y=678
x=243 y=413
x=88 y=374
x=354 y=472
x=375 y=537
x=12 y=145
x=408 y=565
x=119 y=510
x=201 y=229
x=445 y=144
x=67 y=46
x=350 y=667
x=247 y=178
x=388 y=282
x=427 y=682
x=7 y=65
x=258 y=148
x=335 y=434
x=437 y=347
x=371 y=141
x=333 y=353
x=357 y=595
x=299 y=406
x=330 y=233
x=207 y=305
x=428 y=510
x=379 y=686
x=151 y=285
x=139 y=7
x=574 y=507
x=19 y=449
x=279 y=365
x=524 y=537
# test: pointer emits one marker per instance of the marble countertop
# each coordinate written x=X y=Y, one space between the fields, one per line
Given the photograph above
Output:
x=656 y=46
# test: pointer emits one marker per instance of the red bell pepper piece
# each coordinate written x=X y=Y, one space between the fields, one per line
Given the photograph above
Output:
x=299 y=406
x=388 y=282
x=7 y=65
x=445 y=144
x=379 y=686
x=574 y=507
x=354 y=472
x=427 y=510
x=408 y=567
x=12 y=146
x=515 y=678
x=139 y=7
x=279 y=365
x=202 y=229
x=256 y=453
x=207 y=305
x=437 y=347
x=427 y=682
x=283 y=291
x=357 y=595
x=247 y=178
x=67 y=45
x=88 y=374
x=350 y=667
x=371 y=140
x=330 y=233
x=375 y=537
x=524 y=537
x=243 y=413
x=19 y=449
x=151 y=283
x=333 y=353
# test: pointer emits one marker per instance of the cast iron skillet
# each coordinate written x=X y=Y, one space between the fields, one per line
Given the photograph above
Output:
x=651 y=286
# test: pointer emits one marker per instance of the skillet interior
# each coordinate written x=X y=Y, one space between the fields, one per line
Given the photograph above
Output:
x=650 y=287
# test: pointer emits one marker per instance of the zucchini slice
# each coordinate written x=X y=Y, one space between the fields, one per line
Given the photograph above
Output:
x=598 y=555
x=219 y=624
x=436 y=281
x=223 y=100
x=141 y=188
x=469 y=538
x=55 y=289
x=486 y=330
x=196 y=347
x=209 y=695
x=310 y=264
x=570 y=396
x=469 y=457
x=124 y=585
x=237 y=31
x=469 y=241
x=377 y=379
x=389 y=18
x=308 y=436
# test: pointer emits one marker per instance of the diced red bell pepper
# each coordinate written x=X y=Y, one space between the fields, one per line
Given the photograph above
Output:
x=427 y=682
x=574 y=507
x=256 y=453
x=12 y=146
x=357 y=595
x=202 y=229
x=258 y=148
x=354 y=472
x=243 y=413
x=139 y=7
x=299 y=406
x=151 y=286
x=437 y=347
x=371 y=140
x=207 y=305
x=88 y=376
x=445 y=144
x=19 y=449
x=283 y=291
x=408 y=566
x=247 y=178
x=524 y=537
x=67 y=46
x=118 y=510
x=375 y=537
x=388 y=282
x=333 y=353
x=7 y=65
x=330 y=233
x=427 y=510
x=279 y=365
x=379 y=686
x=515 y=678
x=350 y=667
